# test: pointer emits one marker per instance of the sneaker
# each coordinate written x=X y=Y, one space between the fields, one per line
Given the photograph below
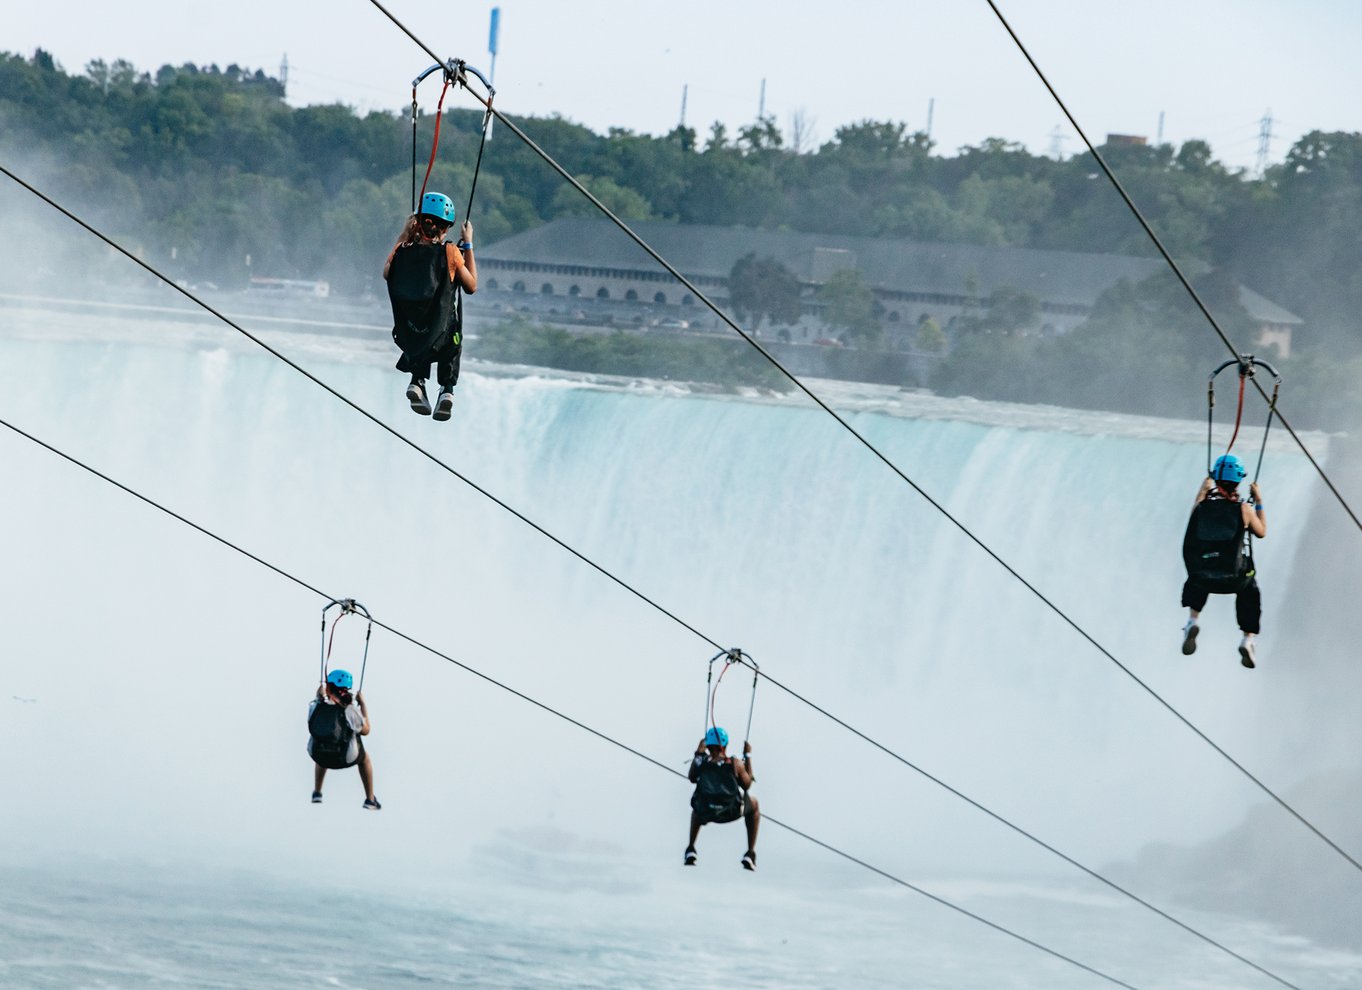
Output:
x=749 y=860
x=444 y=405
x=691 y=857
x=416 y=395
x=371 y=804
x=1189 y=632
x=316 y=797
x=1247 y=652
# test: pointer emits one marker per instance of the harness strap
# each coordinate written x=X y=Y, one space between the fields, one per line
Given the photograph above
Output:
x=1239 y=409
x=413 y=147
x=435 y=141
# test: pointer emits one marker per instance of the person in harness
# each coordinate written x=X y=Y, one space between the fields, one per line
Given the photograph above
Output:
x=1219 y=555
x=336 y=725
x=722 y=783
x=424 y=274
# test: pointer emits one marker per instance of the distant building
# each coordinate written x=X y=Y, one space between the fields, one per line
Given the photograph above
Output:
x=292 y=287
x=1128 y=140
x=588 y=268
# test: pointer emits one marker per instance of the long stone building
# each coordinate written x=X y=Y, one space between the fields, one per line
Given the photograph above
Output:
x=588 y=271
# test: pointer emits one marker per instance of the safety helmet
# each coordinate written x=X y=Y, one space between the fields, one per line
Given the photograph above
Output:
x=1228 y=468
x=439 y=206
x=716 y=737
x=340 y=678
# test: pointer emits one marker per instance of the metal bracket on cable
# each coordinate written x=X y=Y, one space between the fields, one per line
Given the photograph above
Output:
x=1247 y=365
x=455 y=70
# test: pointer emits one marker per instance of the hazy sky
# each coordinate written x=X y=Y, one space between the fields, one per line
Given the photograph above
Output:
x=1213 y=67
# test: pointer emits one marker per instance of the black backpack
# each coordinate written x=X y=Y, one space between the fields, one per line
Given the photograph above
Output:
x=422 y=297
x=718 y=795
x=331 y=735
x=1216 y=548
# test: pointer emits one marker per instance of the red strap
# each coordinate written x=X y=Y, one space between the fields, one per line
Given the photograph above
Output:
x=332 y=639
x=435 y=144
x=714 y=693
x=1238 y=413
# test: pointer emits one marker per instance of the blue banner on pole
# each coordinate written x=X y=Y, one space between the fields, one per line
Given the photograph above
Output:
x=492 y=33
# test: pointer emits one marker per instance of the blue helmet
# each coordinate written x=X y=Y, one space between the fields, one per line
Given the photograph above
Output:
x=716 y=737
x=1228 y=468
x=340 y=678
x=439 y=206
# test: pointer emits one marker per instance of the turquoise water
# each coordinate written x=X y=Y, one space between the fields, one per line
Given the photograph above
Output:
x=109 y=926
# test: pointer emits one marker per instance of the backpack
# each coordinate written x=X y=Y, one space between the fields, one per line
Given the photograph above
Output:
x=331 y=736
x=718 y=796
x=422 y=297
x=1216 y=547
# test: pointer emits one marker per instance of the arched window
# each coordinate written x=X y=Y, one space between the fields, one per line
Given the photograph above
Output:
x=660 y=298
x=894 y=316
x=688 y=300
x=492 y=284
x=602 y=293
x=518 y=287
x=546 y=289
x=575 y=290
x=631 y=295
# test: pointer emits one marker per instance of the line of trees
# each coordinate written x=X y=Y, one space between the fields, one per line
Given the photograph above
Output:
x=204 y=168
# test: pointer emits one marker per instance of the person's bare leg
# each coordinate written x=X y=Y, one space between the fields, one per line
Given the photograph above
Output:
x=366 y=776
x=694 y=829
x=752 y=821
x=319 y=774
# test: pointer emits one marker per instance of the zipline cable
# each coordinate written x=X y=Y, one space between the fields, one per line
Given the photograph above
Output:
x=714 y=308
x=1172 y=264
x=792 y=693
x=559 y=714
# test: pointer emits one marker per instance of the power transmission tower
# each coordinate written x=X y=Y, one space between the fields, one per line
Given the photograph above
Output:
x=1057 y=139
x=1264 y=141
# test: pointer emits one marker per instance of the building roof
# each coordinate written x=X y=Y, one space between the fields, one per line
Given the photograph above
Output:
x=1065 y=277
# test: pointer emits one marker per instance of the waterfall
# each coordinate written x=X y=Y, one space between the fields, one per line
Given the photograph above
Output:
x=164 y=663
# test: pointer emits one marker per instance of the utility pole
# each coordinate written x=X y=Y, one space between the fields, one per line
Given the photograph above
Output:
x=931 y=110
x=1159 y=139
x=761 y=103
x=283 y=73
x=1264 y=141
x=685 y=91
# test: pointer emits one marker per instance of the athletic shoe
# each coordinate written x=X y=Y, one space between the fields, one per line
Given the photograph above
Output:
x=1189 y=632
x=371 y=804
x=416 y=395
x=444 y=405
x=316 y=797
x=691 y=857
x=1247 y=652
x=749 y=860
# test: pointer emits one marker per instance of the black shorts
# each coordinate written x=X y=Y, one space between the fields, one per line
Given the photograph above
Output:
x=724 y=814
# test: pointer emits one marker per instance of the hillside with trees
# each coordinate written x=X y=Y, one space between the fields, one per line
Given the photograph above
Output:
x=213 y=176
